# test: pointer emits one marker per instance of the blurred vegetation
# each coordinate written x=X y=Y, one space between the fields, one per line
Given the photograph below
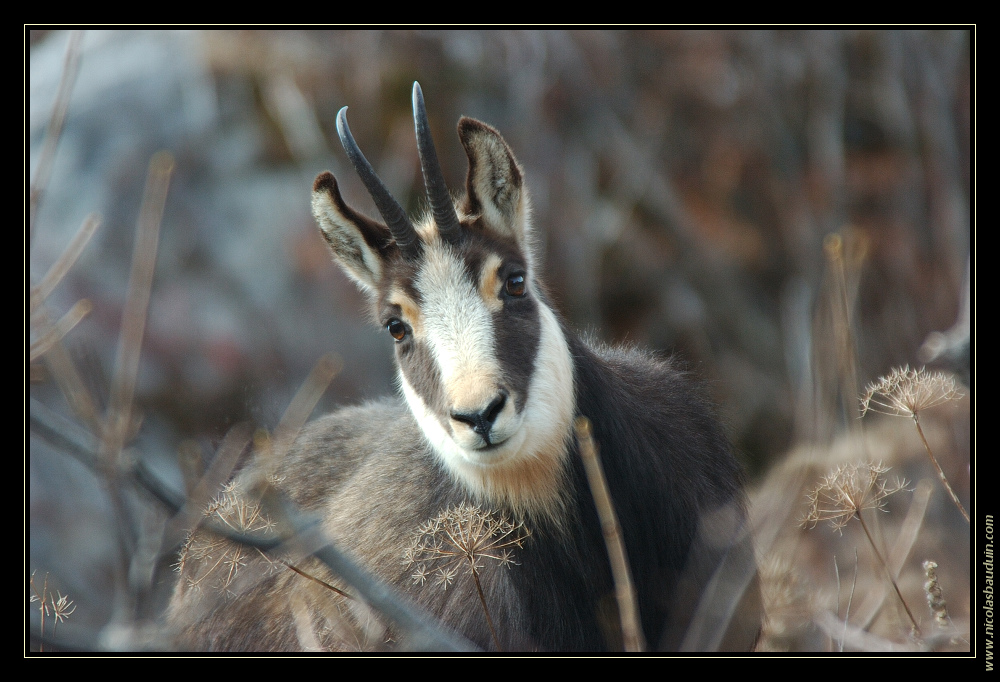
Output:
x=789 y=211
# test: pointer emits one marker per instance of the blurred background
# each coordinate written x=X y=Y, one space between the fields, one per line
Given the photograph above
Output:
x=789 y=211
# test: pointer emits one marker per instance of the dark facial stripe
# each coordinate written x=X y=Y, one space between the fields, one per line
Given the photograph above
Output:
x=421 y=372
x=517 y=330
x=515 y=323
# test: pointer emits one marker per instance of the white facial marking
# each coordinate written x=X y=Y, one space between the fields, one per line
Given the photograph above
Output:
x=523 y=461
x=458 y=329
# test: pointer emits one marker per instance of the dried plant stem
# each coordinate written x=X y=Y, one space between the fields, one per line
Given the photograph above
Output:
x=847 y=362
x=118 y=425
x=57 y=271
x=628 y=609
x=118 y=422
x=486 y=610
x=888 y=573
x=71 y=66
x=42 y=606
x=869 y=608
x=850 y=597
x=63 y=370
x=298 y=411
x=56 y=332
x=305 y=575
x=940 y=471
x=222 y=466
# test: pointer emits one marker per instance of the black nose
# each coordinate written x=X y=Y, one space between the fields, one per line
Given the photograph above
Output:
x=482 y=422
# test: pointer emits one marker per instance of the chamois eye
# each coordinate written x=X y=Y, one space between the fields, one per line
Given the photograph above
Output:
x=515 y=286
x=397 y=329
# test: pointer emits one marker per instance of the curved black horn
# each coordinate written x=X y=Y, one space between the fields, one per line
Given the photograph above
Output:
x=437 y=191
x=392 y=213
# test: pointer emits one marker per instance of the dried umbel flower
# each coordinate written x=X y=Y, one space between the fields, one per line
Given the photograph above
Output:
x=847 y=491
x=906 y=392
x=219 y=558
x=463 y=535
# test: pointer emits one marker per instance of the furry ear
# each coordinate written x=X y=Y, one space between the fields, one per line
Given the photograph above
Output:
x=361 y=245
x=495 y=184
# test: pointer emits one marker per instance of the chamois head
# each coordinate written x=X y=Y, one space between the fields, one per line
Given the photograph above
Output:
x=483 y=362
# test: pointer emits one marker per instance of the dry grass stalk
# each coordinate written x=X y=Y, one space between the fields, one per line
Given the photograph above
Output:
x=55 y=333
x=118 y=422
x=628 y=607
x=850 y=597
x=49 y=336
x=58 y=270
x=71 y=67
x=270 y=450
x=844 y=261
x=201 y=493
x=907 y=392
x=909 y=530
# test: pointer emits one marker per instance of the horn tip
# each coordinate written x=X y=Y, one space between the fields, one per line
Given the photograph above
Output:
x=418 y=97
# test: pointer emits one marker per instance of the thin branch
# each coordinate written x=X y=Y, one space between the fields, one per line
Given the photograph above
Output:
x=889 y=573
x=119 y=414
x=299 y=410
x=43 y=171
x=305 y=575
x=940 y=471
x=900 y=550
x=66 y=259
x=850 y=597
x=628 y=607
x=52 y=335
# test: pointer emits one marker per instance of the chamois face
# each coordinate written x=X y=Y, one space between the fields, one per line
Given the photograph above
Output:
x=483 y=364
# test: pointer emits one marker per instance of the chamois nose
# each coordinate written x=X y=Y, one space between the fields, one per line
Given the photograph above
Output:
x=481 y=422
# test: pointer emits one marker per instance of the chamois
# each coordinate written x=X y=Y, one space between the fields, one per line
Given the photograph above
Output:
x=491 y=381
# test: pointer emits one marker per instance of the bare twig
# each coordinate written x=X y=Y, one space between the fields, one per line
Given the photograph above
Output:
x=119 y=415
x=60 y=329
x=66 y=259
x=900 y=550
x=940 y=472
x=298 y=411
x=71 y=66
x=889 y=573
x=628 y=608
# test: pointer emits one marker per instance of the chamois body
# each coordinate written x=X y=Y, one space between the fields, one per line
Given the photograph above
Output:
x=491 y=381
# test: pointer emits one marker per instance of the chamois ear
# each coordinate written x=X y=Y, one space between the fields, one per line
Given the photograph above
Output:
x=361 y=245
x=495 y=185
